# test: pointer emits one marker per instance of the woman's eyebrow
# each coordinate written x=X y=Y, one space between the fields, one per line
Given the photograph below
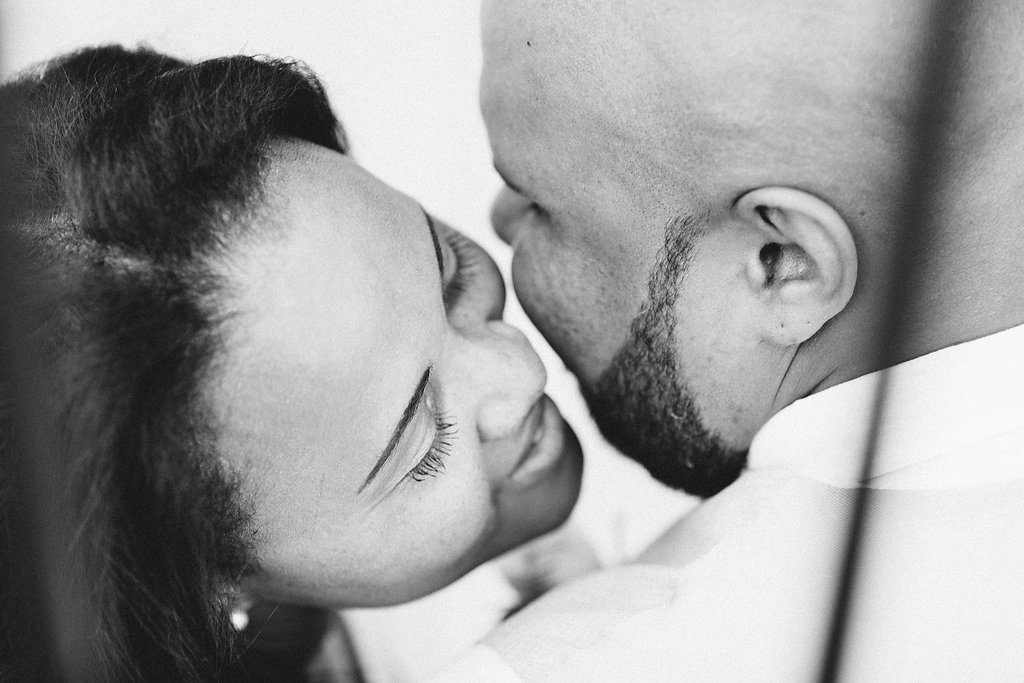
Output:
x=437 y=244
x=403 y=423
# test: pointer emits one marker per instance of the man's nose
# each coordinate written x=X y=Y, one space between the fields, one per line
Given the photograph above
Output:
x=505 y=213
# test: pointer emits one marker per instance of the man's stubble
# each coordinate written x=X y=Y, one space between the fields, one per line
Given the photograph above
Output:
x=640 y=402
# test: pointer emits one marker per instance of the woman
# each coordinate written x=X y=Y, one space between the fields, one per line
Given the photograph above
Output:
x=270 y=376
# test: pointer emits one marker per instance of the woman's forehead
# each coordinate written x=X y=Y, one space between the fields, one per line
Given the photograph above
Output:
x=333 y=318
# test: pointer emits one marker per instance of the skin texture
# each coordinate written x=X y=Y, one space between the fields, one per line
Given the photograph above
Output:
x=778 y=134
x=640 y=401
x=337 y=311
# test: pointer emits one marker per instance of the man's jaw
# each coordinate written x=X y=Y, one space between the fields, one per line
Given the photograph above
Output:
x=644 y=411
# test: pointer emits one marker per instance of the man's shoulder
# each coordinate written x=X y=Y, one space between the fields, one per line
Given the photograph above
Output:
x=729 y=580
x=576 y=617
x=578 y=611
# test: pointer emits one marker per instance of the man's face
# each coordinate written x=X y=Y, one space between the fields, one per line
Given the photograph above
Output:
x=604 y=224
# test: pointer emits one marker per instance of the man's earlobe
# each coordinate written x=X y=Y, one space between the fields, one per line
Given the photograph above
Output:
x=805 y=267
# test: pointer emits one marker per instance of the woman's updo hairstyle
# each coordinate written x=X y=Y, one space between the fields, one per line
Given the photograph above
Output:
x=125 y=173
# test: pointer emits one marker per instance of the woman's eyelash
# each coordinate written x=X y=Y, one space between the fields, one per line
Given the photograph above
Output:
x=432 y=463
x=466 y=259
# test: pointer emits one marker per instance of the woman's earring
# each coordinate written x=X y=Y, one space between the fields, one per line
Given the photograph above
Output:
x=240 y=612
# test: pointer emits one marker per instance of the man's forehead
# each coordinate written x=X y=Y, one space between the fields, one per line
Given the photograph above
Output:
x=698 y=34
x=692 y=82
x=568 y=65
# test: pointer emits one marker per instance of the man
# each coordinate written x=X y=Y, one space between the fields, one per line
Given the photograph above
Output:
x=705 y=200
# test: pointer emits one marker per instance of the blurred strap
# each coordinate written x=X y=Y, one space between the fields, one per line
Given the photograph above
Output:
x=942 y=60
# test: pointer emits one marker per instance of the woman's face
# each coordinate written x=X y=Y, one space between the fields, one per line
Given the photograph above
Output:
x=390 y=429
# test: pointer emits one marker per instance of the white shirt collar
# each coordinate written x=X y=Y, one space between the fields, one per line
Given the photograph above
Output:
x=954 y=419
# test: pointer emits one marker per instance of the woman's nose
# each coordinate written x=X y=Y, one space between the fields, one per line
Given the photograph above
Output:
x=507 y=207
x=507 y=380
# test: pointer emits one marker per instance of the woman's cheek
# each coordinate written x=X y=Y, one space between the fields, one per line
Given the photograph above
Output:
x=458 y=510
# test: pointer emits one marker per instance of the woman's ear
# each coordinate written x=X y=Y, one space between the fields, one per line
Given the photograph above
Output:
x=805 y=270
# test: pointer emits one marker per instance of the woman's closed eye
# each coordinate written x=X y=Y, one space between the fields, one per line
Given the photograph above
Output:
x=466 y=261
x=433 y=461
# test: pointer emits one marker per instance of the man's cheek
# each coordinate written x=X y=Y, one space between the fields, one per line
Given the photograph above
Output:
x=546 y=296
x=538 y=289
x=565 y=309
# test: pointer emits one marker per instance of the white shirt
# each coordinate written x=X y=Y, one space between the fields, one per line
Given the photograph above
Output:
x=745 y=584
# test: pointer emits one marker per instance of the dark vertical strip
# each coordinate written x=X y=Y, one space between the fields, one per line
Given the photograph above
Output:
x=28 y=641
x=921 y=180
x=39 y=640
x=30 y=644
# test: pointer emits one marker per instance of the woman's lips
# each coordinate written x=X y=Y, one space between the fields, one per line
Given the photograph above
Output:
x=544 y=447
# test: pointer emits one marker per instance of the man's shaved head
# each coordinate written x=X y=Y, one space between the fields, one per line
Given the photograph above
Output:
x=788 y=126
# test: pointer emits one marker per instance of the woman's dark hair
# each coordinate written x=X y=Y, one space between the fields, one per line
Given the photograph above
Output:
x=126 y=171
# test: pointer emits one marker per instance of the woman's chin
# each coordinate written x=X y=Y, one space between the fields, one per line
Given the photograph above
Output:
x=541 y=500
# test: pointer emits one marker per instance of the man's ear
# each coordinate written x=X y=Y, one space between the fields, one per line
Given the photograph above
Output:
x=805 y=270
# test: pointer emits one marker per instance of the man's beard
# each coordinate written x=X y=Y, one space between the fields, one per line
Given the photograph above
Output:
x=640 y=403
